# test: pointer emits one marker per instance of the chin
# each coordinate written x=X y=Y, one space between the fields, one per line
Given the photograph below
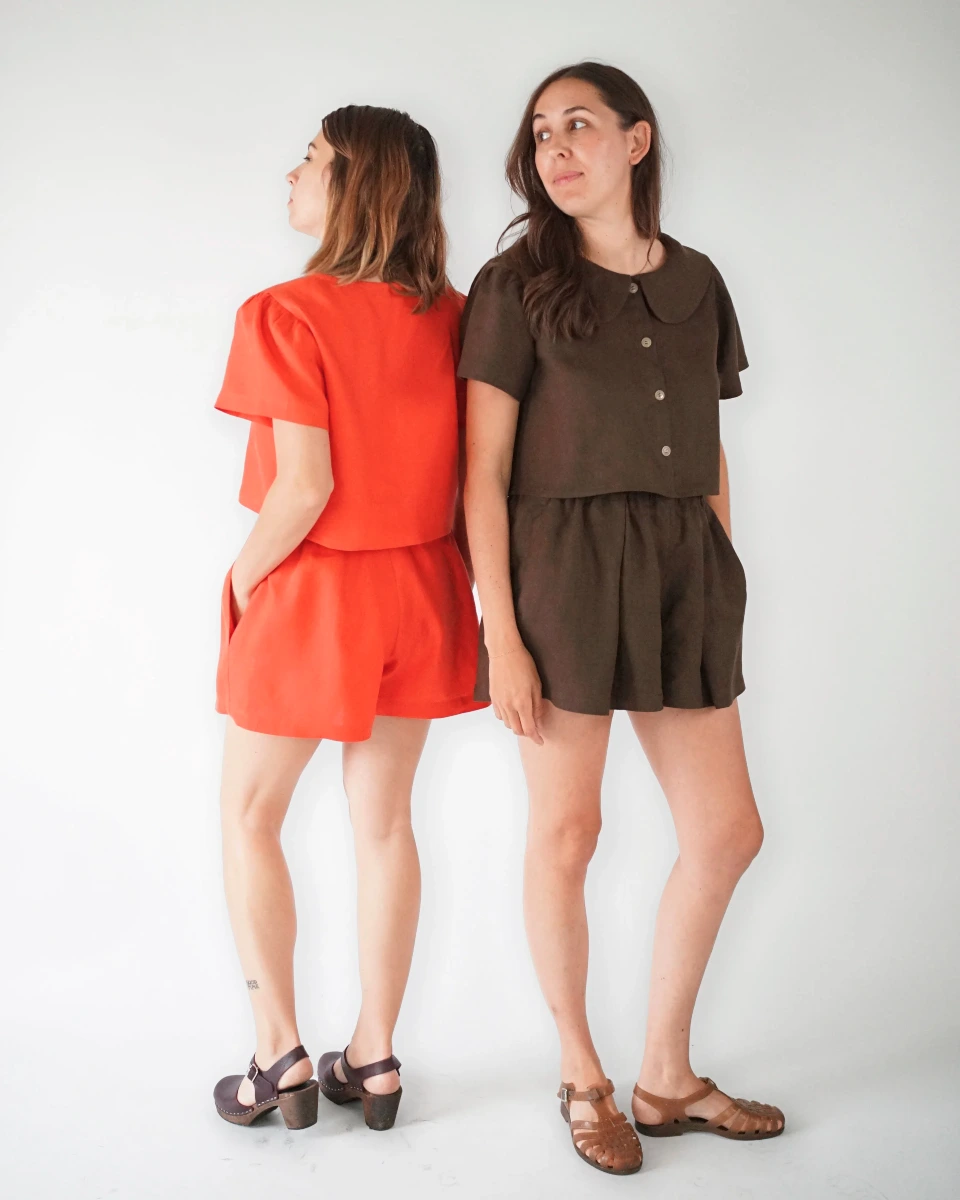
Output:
x=573 y=207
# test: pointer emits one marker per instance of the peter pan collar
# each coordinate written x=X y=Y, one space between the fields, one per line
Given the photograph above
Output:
x=673 y=292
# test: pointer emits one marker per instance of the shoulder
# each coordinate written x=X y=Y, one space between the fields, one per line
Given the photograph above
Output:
x=700 y=265
x=511 y=268
x=676 y=290
x=276 y=320
x=301 y=298
x=449 y=305
x=497 y=288
x=289 y=299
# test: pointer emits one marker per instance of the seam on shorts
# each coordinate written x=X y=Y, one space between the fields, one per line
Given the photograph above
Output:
x=391 y=657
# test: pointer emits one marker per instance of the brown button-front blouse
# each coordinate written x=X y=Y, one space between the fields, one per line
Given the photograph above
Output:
x=631 y=408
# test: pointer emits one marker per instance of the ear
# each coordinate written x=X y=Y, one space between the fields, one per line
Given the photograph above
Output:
x=638 y=141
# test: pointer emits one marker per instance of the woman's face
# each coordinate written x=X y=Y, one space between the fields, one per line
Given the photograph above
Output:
x=583 y=156
x=307 y=206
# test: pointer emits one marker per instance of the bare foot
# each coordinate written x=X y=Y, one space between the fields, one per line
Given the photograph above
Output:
x=300 y=1072
x=675 y=1088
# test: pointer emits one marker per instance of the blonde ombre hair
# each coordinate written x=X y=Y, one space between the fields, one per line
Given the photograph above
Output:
x=383 y=204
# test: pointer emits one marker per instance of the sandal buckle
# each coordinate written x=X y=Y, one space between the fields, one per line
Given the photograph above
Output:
x=564 y=1094
x=253 y=1072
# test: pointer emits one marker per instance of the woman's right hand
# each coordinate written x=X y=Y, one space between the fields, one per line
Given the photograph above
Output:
x=516 y=694
x=239 y=599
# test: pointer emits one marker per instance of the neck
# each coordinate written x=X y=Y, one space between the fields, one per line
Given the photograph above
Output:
x=616 y=245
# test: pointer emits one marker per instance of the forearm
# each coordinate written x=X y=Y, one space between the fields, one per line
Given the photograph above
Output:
x=460 y=535
x=485 y=505
x=459 y=516
x=288 y=513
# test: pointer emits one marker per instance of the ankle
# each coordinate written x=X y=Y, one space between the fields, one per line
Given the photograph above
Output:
x=274 y=1046
x=582 y=1069
x=665 y=1078
x=368 y=1047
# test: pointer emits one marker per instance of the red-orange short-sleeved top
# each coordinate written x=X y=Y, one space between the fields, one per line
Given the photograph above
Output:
x=354 y=359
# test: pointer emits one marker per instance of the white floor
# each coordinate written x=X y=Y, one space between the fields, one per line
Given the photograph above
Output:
x=130 y=1124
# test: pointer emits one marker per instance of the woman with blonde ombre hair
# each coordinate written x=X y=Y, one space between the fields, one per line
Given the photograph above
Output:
x=348 y=612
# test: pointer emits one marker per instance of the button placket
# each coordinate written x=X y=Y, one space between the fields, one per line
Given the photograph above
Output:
x=647 y=343
x=661 y=436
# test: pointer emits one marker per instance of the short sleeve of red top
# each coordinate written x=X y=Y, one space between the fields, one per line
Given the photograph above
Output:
x=356 y=360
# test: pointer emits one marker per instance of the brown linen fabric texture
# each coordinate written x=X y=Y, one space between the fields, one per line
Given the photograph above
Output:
x=632 y=408
x=628 y=592
x=626 y=600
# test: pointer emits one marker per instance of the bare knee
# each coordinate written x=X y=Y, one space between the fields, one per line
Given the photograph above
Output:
x=733 y=846
x=257 y=813
x=377 y=823
x=568 y=843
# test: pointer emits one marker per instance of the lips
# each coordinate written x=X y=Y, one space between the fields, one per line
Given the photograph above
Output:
x=566 y=177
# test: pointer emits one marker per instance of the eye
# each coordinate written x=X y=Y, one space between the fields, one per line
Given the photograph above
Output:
x=541 y=134
x=578 y=121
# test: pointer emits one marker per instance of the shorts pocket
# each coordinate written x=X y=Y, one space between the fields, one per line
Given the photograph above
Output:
x=228 y=622
x=227 y=628
x=726 y=546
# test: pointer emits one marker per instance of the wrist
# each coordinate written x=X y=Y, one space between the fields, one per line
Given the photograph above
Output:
x=498 y=646
x=240 y=586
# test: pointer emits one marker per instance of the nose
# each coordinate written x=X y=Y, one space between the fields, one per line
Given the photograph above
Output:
x=291 y=176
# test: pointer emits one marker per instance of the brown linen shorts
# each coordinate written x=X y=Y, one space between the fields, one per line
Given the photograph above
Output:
x=627 y=600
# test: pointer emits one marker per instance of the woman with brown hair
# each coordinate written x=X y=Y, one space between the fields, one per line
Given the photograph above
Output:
x=597 y=348
x=348 y=613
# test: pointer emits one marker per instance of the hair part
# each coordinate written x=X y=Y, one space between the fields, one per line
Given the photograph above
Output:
x=384 y=218
x=549 y=251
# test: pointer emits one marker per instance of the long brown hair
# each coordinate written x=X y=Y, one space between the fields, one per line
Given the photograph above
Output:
x=549 y=253
x=383 y=203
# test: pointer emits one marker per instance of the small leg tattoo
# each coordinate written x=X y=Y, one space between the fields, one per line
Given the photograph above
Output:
x=252 y=984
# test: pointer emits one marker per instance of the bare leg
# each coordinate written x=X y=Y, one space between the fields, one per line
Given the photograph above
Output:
x=563 y=780
x=698 y=758
x=378 y=776
x=260 y=773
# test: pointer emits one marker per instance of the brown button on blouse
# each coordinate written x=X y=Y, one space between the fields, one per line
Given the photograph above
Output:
x=631 y=408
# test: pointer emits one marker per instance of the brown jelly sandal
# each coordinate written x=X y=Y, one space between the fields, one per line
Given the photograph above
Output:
x=616 y=1148
x=298 y=1105
x=379 y=1112
x=743 y=1120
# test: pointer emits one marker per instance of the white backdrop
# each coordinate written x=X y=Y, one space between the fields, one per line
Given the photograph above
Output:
x=813 y=158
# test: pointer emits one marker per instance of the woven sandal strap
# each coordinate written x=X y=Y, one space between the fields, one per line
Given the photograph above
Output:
x=669 y=1108
x=356 y=1075
x=606 y=1124
x=568 y=1092
x=736 y=1118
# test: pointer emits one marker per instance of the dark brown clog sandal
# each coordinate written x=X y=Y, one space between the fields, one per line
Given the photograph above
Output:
x=615 y=1147
x=379 y=1112
x=298 y=1105
x=742 y=1120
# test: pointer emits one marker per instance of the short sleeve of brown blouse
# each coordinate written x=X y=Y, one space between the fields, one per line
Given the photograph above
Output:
x=731 y=356
x=497 y=345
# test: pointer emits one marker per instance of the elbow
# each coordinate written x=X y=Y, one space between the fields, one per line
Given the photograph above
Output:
x=309 y=497
x=482 y=485
x=315 y=497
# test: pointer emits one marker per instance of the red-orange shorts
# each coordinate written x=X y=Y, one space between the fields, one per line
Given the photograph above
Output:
x=332 y=638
